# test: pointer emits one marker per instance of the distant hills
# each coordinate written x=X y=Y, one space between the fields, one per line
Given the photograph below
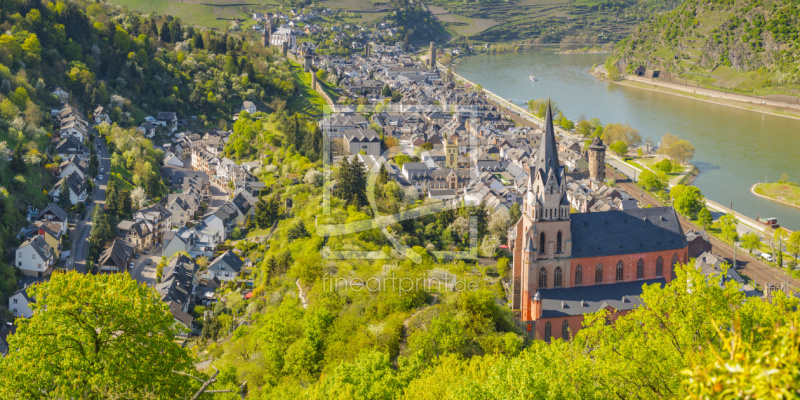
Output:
x=748 y=46
x=546 y=21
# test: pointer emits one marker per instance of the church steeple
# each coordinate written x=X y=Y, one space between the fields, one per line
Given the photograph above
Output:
x=547 y=157
x=546 y=198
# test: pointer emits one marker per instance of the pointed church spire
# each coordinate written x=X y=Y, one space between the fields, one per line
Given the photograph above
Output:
x=547 y=157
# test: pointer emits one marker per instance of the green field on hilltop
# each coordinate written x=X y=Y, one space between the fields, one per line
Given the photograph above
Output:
x=197 y=12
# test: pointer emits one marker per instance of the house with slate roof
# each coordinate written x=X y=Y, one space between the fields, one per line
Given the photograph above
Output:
x=116 y=258
x=226 y=267
x=366 y=140
x=177 y=288
x=35 y=257
x=19 y=303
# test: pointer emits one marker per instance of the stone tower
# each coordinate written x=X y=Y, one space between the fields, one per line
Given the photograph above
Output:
x=285 y=48
x=597 y=161
x=433 y=55
x=268 y=34
x=265 y=38
x=307 y=61
x=451 y=152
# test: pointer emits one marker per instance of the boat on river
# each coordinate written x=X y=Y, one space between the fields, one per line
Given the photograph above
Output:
x=533 y=78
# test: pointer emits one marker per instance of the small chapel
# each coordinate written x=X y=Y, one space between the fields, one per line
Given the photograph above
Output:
x=568 y=264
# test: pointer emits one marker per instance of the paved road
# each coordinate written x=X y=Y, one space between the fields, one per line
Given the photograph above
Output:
x=144 y=273
x=80 y=244
x=218 y=197
x=745 y=264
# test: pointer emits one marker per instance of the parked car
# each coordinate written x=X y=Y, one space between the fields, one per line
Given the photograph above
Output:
x=100 y=177
x=149 y=261
x=766 y=256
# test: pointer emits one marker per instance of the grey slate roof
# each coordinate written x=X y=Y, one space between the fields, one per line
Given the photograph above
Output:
x=588 y=299
x=54 y=209
x=616 y=232
x=230 y=259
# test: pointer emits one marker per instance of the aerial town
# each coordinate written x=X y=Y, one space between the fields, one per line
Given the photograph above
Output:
x=307 y=203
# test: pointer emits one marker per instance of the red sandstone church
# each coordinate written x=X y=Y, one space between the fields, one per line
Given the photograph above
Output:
x=567 y=265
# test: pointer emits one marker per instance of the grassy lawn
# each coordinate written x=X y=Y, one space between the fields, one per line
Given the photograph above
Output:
x=123 y=177
x=785 y=192
x=307 y=101
x=677 y=169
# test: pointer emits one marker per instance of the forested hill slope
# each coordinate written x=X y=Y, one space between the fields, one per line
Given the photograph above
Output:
x=751 y=46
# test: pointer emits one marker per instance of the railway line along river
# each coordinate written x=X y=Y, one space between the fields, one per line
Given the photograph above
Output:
x=734 y=148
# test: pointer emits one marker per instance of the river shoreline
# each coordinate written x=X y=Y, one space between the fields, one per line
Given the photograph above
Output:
x=728 y=99
x=753 y=191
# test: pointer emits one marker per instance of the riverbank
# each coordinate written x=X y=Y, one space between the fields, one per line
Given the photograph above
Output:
x=742 y=102
x=783 y=193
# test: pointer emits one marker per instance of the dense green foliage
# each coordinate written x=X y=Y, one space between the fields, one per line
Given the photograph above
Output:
x=95 y=337
x=750 y=46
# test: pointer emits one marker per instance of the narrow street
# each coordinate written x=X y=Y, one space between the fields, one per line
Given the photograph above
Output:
x=80 y=243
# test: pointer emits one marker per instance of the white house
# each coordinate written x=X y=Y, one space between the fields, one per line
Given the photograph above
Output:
x=35 y=257
x=226 y=267
x=62 y=94
x=76 y=186
x=71 y=146
x=167 y=119
x=249 y=106
x=71 y=165
x=101 y=116
x=19 y=304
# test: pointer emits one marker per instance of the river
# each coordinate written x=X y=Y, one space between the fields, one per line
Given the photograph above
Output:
x=734 y=148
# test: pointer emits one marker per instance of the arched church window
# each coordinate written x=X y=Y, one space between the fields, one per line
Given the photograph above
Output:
x=542 y=278
x=578 y=275
x=542 y=242
x=565 y=330
x=640 y=269
x=659 y=267
x=547 y=330
x=598 y=273
x=557 y=277
x=558 y=243
x=620 y=271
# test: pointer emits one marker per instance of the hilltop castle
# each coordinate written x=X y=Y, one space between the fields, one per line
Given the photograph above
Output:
x=566 y=265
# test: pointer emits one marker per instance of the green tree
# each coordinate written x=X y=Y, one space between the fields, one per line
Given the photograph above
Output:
x=63 y=196
x=664 y=165
x=793 y=243
x=386 y=91
x=166 y=35
x=619 y=147
x=267 y=211
x=101 y=229
x=116 y=341
x=704 y=217
x=650 y=181
x=751 y=241
x=297 y=231
x=727 y=226
x=687 y=200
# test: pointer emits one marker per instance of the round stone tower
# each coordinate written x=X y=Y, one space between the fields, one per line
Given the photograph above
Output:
x=597 y=160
